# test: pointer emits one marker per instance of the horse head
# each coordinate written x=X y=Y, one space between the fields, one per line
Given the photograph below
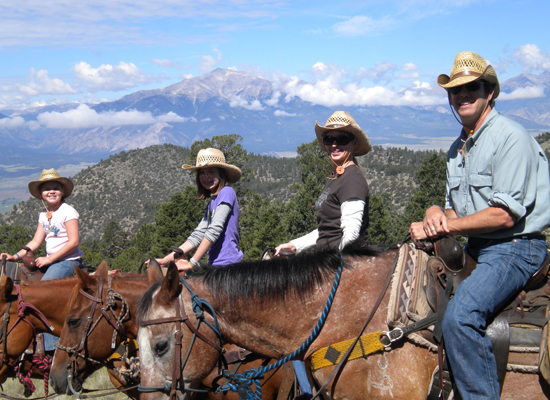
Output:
x=74 y=356
x=175 y=338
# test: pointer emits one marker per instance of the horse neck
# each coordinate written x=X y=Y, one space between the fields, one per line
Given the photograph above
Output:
x=272 y=327
x=131 y=290
x=50 y=298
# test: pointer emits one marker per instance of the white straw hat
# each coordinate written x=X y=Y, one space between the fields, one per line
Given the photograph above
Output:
x=214 y=158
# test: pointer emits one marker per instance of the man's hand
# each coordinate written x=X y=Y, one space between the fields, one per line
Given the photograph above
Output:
x=433 y=225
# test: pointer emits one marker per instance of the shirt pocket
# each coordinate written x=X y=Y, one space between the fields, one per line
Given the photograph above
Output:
x=481 y=187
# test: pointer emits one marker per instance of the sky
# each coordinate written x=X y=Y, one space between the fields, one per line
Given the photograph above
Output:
x=348 y=53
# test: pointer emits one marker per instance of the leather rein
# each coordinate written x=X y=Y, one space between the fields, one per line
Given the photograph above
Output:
x=177 y=384
x=23 y=308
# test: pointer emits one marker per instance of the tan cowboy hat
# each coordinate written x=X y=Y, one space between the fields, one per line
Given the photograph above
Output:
x=50 y=175
x=214 y=158
x=342 y=121
x=467 y=68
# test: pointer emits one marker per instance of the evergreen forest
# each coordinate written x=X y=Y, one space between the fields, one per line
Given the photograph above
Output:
x=136 y=205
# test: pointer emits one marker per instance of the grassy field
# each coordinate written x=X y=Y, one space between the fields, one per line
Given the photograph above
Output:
x=98 y=380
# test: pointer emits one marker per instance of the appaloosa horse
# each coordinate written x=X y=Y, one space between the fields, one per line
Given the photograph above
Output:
x=84 y=347
x=271 y=308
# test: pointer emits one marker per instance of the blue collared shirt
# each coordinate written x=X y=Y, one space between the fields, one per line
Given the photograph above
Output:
x=501 y=165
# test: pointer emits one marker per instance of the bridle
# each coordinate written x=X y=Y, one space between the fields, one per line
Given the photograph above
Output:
x=105 y=308
x=177 y=384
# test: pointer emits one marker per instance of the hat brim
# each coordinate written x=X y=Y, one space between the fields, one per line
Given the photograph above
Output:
x=68 y=186
x=363 y=145
x=489 y=75
x=233 y=173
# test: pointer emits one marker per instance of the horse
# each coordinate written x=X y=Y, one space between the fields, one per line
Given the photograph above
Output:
x=96 y=343
x=48 y=298
x=271 y=307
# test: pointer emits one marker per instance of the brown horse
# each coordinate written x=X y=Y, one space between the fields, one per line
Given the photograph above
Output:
x=272 y=307
x=97 y=345
x=49 y=298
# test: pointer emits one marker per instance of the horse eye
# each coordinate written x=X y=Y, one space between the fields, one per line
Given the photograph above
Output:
x=73 y=322
x=161 y=347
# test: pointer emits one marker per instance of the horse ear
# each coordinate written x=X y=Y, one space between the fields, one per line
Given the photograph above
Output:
x=102 y=270
x=84 y=279
x=170 y=285
x=154 y=272
x=6 y=287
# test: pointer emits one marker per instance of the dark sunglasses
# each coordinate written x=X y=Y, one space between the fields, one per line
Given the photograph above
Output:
x=341 y=140
x=470 y=87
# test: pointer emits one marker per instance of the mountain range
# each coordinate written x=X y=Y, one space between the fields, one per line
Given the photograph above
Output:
x=226 y=102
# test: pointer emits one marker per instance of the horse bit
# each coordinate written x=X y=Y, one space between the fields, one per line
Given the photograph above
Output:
x=176 y=384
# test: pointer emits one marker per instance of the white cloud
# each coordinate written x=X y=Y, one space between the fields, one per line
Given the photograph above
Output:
x=413 y=75
x=274 y=99
x=110 y=78
x=281 y=113
x=207 y=63
x=162 y=63
x=218 y=53
x=185 y=76
x=531 y=58
x=238 y=101
x=40 y=83
x=10 y=123
x=361 y=25
x=409 y=67
x=380 y=72
x=522 y=93
x=84 y=117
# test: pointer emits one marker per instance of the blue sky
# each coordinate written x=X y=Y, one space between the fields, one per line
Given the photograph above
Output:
x=350 y=52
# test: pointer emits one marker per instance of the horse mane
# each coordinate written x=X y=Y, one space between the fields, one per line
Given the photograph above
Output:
x=272 y=279
x=278 y=277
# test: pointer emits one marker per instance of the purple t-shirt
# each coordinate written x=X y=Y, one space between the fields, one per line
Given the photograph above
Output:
x=225 y=250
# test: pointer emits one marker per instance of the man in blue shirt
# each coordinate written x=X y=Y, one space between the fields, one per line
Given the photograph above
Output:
x=498 y=194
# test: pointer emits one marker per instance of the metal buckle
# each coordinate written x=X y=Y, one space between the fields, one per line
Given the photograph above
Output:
x=388 y=334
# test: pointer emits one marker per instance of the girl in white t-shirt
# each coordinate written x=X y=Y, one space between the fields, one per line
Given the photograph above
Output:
x=57 y=226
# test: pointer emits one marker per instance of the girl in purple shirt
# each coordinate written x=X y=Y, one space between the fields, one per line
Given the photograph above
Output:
x=218 y=232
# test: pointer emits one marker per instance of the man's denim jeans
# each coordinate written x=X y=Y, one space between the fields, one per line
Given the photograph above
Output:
x=502 y=270
x=61 y=269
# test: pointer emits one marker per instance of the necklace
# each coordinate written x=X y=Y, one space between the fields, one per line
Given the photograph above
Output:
x=48 y=215
x=340 y=169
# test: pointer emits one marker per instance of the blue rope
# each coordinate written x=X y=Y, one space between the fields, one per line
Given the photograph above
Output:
x=243 y=381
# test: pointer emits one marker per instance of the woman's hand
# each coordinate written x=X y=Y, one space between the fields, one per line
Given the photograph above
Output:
x=43 y=262
x=286 y=246
x=183 y=265
x=9 y=257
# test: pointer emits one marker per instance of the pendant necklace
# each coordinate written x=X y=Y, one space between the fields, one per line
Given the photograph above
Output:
x=340 y=169
x=48 y=215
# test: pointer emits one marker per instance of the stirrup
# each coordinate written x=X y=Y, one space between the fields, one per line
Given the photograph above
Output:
x=434 y=392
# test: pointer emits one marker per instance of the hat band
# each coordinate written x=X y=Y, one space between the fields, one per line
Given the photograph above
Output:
x=470 y=73
x=336 y=126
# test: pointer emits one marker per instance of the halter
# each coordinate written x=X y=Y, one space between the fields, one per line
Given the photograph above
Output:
x=172 y=387
x=77 y=351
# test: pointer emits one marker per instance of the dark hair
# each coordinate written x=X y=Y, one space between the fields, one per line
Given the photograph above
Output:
x=203 y=193
x=487 y=89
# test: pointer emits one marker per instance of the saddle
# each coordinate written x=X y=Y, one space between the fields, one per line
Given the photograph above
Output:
x=516 y=332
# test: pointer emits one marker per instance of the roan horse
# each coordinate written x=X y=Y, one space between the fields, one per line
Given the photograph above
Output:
x=97 y=342
x=271 y=307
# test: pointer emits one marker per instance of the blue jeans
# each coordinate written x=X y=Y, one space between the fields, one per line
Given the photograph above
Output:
x=502 y=270
x=57 y=270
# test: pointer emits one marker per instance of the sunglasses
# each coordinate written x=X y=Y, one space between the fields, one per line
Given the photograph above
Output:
x=341 y=140
x=470 y=87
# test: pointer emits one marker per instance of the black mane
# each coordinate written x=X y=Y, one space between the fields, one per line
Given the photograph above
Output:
x=272 y=279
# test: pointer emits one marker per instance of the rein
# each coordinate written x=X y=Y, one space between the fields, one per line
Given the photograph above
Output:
x=244 y=380
x=105 y=307
x=172 y=387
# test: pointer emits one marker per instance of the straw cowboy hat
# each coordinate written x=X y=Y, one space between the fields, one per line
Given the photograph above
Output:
x=50 y=175
x=467 y=68
x=214 y=158
x=342 y=121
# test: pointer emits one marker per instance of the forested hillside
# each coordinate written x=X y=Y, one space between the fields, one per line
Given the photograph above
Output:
x=126 y=187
